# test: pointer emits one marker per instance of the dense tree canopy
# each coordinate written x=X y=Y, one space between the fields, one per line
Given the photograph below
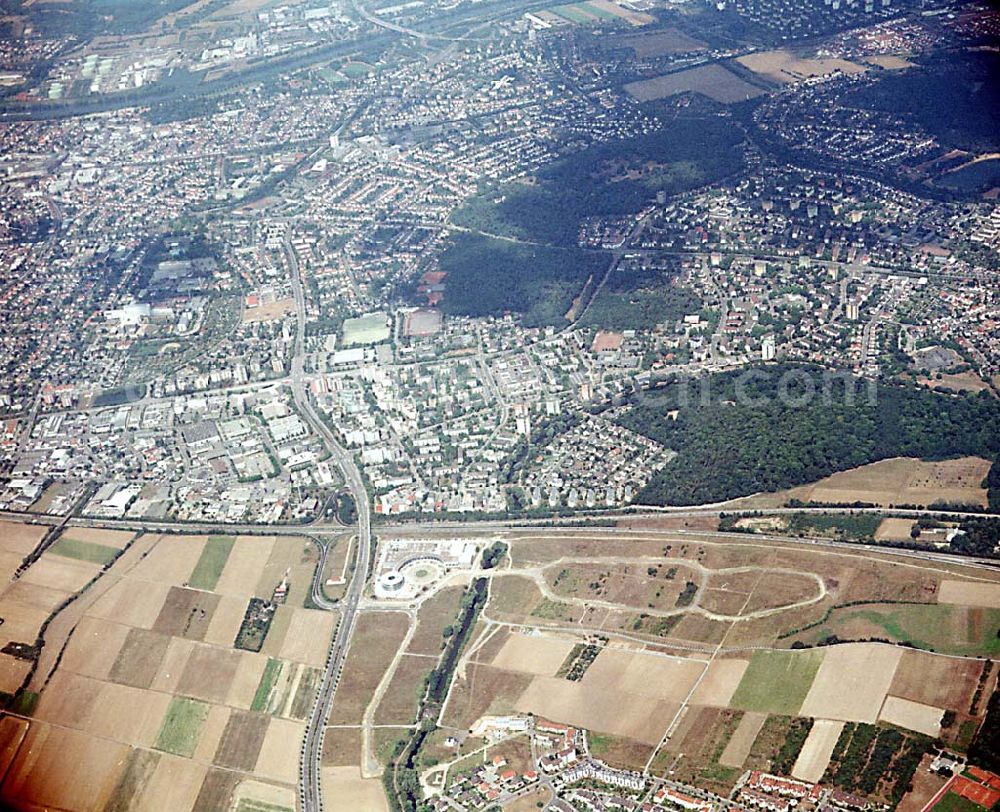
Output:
x=488 y=277
x=763 y=431
x=609 y=179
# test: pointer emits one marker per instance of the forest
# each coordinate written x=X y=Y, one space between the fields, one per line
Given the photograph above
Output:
x=954 y=96
x=777 y=427
x=992 y=485
x=985 y=748
x=635 y=300
x=608 y=179
x=488 y=277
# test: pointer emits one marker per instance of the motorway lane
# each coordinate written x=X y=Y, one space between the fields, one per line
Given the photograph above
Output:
x=310 y=772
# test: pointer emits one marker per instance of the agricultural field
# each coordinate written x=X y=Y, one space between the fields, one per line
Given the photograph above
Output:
x=653 y=44
x=785 y=66
x=69 y=563
x=962 y=630
x=777 y=681
x=962 y=381
x=140 y=683
x=591 y=12
x=353 y=791
x=815 y=754
x=701 y=657
x=713 y=81
x=376 y=640
x=902 y=481
x=737 y=749
x=780 y=707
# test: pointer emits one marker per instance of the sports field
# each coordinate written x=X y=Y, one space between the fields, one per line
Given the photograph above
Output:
x=370 y=329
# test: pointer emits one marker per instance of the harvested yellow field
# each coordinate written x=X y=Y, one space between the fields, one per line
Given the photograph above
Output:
x=889 y=61
x=916 y=716
x=97 y=535
x=633 y=717
x=12 y=673
x=210 y=673
x=902 y=480
x=19 y=537
x=852 y=682
x=279 y=754
x=351 y=791
x=296 y=556
x=636 y=18
x=68 y=700
x=785 y=66
x=12 y=733
x=969 y=593
x=60 y=768
x=129 y=715
x=720 y=683
x=98 y=642
x=139 y=689
x=308 y=637
x=894 y=530
x=962 y=381
x=815 y=753
x=211 y=732
x=244 y=684
x=738 y=746
x=60 y=573
x=175 y=784
x=173 y=665
x=533 y=654
x=246 y=562
x=21 y=592
x=9 y=562
x=226 y=621
x=654 y=676
x=21 y=621
x=134 y=603
x=170 y=561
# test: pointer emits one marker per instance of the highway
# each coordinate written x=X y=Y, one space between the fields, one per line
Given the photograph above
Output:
x=310 y=788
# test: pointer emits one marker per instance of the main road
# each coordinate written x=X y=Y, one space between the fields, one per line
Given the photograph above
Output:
x=310 y=789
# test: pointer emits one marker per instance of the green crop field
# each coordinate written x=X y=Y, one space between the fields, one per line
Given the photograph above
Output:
x=572 y=13
x=937 y=627
x=253 y=805
x=181 y=726
x=777 y=681
x=597 y=11
x=213 y=559
x=85 y=551
x=271 y=672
